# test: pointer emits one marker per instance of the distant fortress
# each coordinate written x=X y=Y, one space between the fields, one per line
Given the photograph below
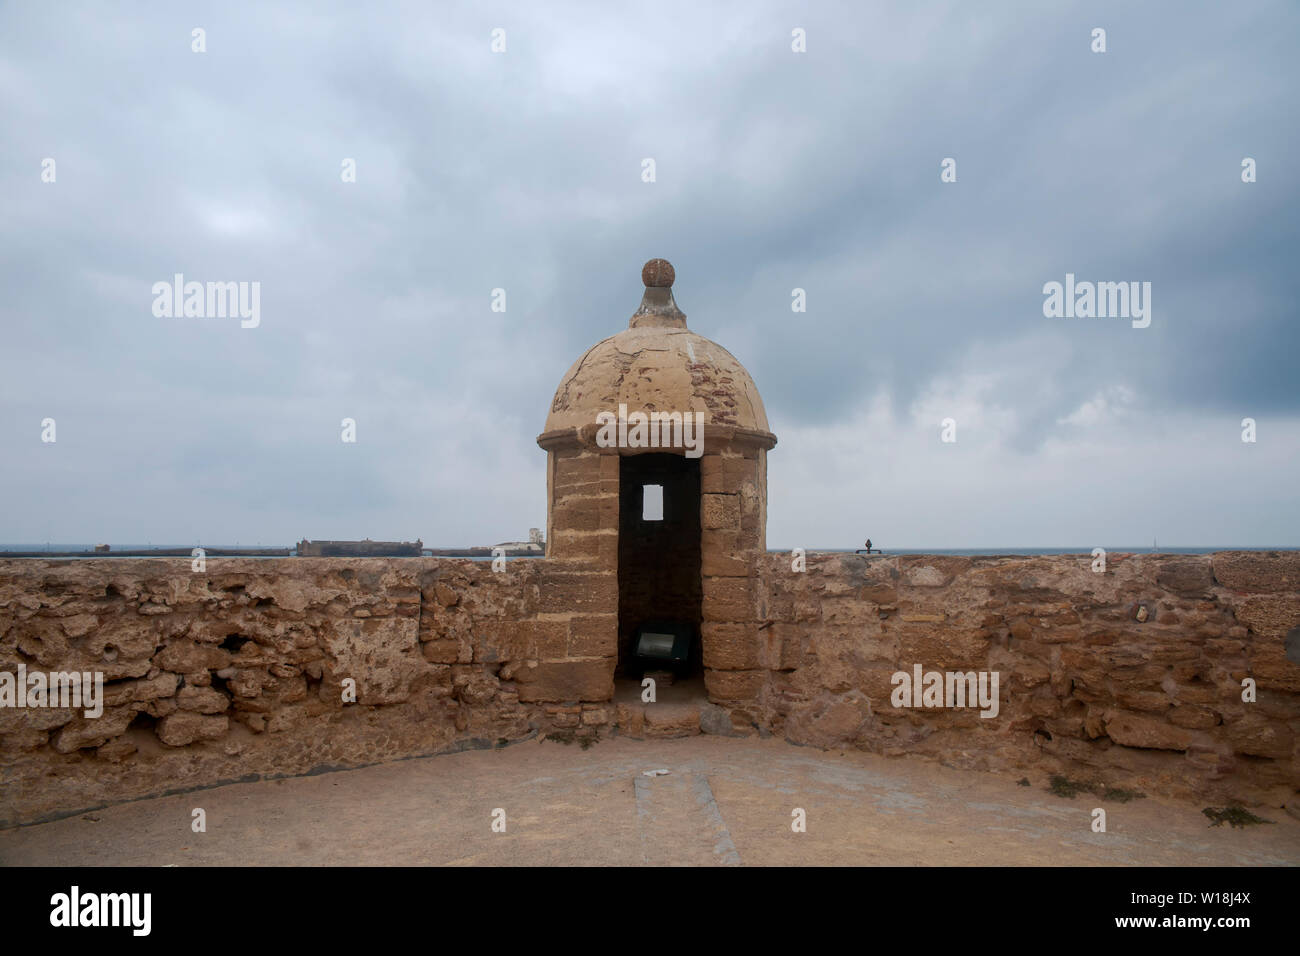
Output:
x=535 y=545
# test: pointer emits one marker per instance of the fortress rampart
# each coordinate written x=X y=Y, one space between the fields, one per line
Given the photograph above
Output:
x=1132 y=677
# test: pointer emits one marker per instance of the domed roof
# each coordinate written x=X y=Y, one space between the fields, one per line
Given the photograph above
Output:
x=657 y=364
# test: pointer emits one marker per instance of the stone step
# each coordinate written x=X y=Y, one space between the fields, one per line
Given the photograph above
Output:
x=658 y=720
x=675 y=712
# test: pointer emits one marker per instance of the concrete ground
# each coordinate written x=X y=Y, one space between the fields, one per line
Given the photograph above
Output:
x=723 y=802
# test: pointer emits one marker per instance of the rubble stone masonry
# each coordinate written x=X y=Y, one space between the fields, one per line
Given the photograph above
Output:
x=1131 y=678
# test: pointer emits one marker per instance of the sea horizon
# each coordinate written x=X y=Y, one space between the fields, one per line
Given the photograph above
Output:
x=950 y=552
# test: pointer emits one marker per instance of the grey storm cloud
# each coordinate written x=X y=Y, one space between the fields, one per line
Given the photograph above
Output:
x=522 y=171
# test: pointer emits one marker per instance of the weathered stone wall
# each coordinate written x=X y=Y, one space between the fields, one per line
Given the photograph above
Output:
x=1131 y=678
x=239 y=670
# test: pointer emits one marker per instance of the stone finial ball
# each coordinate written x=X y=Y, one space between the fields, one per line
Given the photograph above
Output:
x=658 y=274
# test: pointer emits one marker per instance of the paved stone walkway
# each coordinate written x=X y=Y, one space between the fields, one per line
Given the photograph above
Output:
x=723 y=802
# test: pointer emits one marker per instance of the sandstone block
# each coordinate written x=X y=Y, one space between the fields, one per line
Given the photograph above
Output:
x=1258 y=571
x=942 y=648
x=203 y=700
x=578 y=468
x=1270 y=616
x=592 y=635
x=578 y=514
x=1271 y=667
x=730 y=645
x=879 y=593
x=183 y=727
x=734 y=685
x=1152 y=733
x=1193 y=717
x=164 y=685
x=84 y=731
x=720 y=564
x=584 y=546
x=671 y=720
x=850 y=611
x=381 y=654
x=79 y=625
x=115 y=751
x=630 y=719
x=925 y=577
x=1260 y=737
x=521 y=640
x=578 y=593
x=720 y=512
x=729 y=599
x=473 y=685
x=566 y=680
x=248 y=682
x=183 y=657
x=1152 y=701
x=1030 y=673
x=931 y=571
x=739 y=472
x=1187 y=576
x=441 y=652
x=712 y=470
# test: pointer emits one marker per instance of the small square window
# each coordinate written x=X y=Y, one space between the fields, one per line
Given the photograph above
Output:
x=652 y=502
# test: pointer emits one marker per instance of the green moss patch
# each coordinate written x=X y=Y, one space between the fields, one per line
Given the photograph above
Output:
x=1235 y=816
x=1063 y=786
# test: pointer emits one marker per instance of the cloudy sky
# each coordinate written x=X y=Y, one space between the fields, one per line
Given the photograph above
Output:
x=775 y=170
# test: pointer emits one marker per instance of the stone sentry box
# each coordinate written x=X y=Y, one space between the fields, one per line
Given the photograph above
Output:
x=700 y=562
